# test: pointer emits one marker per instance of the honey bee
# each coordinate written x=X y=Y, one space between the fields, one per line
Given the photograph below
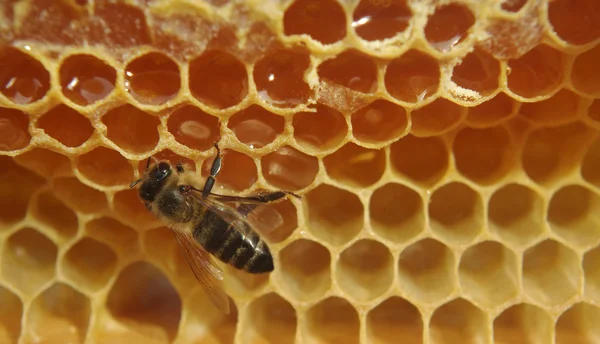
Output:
x=207 y=224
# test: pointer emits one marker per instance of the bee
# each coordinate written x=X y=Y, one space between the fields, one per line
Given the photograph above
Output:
x=206 y=224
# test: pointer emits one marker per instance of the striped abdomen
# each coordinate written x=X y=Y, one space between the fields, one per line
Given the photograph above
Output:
x=244 y=252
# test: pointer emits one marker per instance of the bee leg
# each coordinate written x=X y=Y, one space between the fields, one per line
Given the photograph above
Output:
x=214 y=171
x=179 y=167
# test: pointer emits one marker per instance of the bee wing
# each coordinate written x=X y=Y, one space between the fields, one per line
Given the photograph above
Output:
x=206 y=272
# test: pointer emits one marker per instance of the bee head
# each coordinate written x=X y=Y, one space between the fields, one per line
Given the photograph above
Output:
x=153 y=180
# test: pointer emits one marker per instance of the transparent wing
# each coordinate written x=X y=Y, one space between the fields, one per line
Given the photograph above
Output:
x=206 y=272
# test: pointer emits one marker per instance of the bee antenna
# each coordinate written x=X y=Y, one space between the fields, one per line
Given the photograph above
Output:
x=134 y=183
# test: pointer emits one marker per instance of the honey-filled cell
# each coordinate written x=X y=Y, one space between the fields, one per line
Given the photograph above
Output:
x=15 y=201
x=354 y=165
x=256 y=127
x=537 y=73
x=379 y=20
x=194 y=128
x=23 y=79
x=66 y=125
x=422 y=160
x=478 y=71
x=584 y=76
x=436 y=118
x=379 y=121
x=132 y=129
x=238 y=171
x=576 y=22
x=412 y=77
x=10 y=319
x=322 y=129
x=351 y=69
x=289 y=169
x=14 y=130
x=492 y=112
x=322 y=20
x=152 y=78
x=86 y=79
x=448 y=26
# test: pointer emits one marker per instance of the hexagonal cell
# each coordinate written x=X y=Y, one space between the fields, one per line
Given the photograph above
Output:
x=61 y=220
x=551 y=273
x=45 y=163
x=394 y=320
x=131 y=129
x=558 y=109
x=412 y=77
x=322 y=20
x=105 y=167
x=60 y=313
x=523 y=323
x=483 y=268
x=590 y=166
x=332 y=320
x=114 y=233
x=516 y=214
x=456 y=212
x=426 y=271
x=537 y=73
x=256 y=127
x=24 y=79
x=422 y=160
x=379 y=121
x=273 y=320
x=591 y=268
x=242 y=284
x=483 y=155
x=10 y=318
x=436 y=118
x=351 y=69
x=478 y=71
x=583 y=75
x=14 y=130
x=218 y=79
x=194 y=128
x=365 y=270
x=593 y=111
x=573 y=214
x=492 y=112
x=578 y=324
x=551 y=153
x=576 y=22
x=323 y=129
x=279 y=78
x=448 y=26
x=376 y=20
x=286 y=217
x=90 y=264
x=396 y=213
x=305 y=269
x=238 y=171
x=17 y=185
x=85 y=79
x=334 y=215
x=79 y=196
x=355 y=165
x=152 y=78
x=458 y=321
x=289 y=169
x=66 y=126
x=143 y=299
x=204 y=323
x=130 y=208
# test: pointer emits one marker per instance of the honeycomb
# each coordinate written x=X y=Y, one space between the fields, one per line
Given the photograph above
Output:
x=447 y=152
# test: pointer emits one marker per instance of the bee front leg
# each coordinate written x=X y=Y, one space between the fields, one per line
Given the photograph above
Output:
x=214 y=171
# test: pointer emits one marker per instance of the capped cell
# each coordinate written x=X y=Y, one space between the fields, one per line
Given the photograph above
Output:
x=23 y=79
x=152 y=78
x=86 y=79
x=322 y=20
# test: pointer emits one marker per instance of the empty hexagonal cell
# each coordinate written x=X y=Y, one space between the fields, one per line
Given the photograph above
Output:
x=242 y=284
x=62 y=220
x=436 y=118
x=256 y=127
x=61 y=314
x=394 y=320
x=365 y=270
x=448 y=26
x=17 y=185
x=285 y=216
x=14 y=130
x=323 y=129
x=305 y=269
x=24 y=79
x=28 y=260
x=218 y=79
x=194 y=128
x=204 y=323
x=558 y=109
x=478 y=71
x=332 y=320
x=131 y=129
x=553 y=152
x=458 y=321
x=379 y=121
x=289 y=169
x=537 y=73
x=273 y=320
x=396 y=212
x=426 y=271
x=152 y=78
x=105 y=167
x=10 y=318
x=85 y=79
x=483 y=155
x=578 y=324
x=492 y=112
x=573 y=214
x=576 y=22
x=130 y=208
x=350 y=69
x=412 y=77
x=110 y=231
x=483 y=268
x=279 y=78
x=66 y=126
x=516 y=214
x=590 y=166
x=512 y=6
x=143 y=299
x=456 y=212
x=591 y=268
x=322 y=20
x=79 y=196
x=376 y=20
x=333 y=214
x=584 y=76
x=355 y=165
x=238 y=171
x=523 y=323
x=551 y=273
x=422 y=160
x=90 y=264
x=45 y=162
